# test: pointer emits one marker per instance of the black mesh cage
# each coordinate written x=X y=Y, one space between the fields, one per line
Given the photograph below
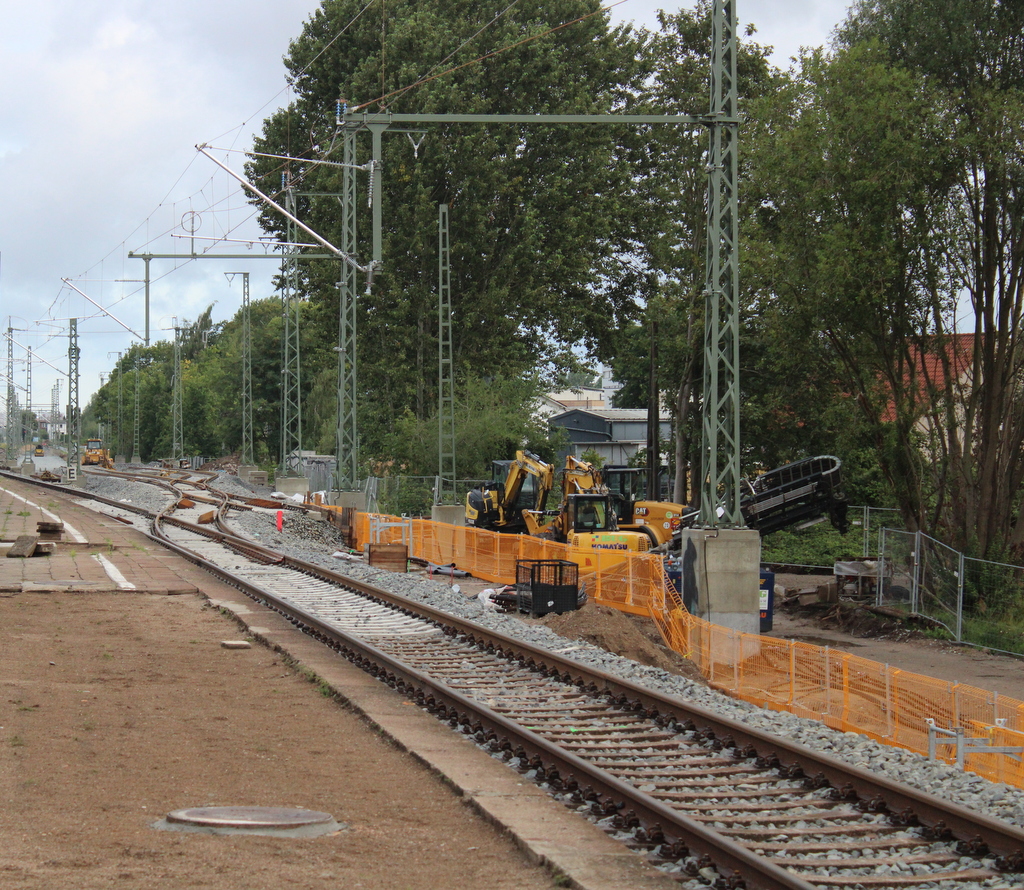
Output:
x=547 y=585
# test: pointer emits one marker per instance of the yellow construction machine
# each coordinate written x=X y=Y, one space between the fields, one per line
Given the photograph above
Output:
x=586 y=521
x=634 y=508
x=516 y=501
x=95 y=455
x=517 y=485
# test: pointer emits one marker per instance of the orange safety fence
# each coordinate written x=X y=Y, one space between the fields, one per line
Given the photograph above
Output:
x=842 y=690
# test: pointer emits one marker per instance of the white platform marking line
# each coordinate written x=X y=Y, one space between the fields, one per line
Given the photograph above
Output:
x=70 y=529
x=113 y=573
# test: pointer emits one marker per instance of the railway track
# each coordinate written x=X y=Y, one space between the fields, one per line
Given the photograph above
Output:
x=710 y=799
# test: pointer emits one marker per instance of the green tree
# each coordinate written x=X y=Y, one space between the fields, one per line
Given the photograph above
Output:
x=494 y=418
x=534 y=209
x=970 y=56
x=888 y=201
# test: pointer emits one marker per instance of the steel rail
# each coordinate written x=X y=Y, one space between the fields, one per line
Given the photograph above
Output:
x=940 y=817
x=435 y=695
x=931 y=811
x=902 y=801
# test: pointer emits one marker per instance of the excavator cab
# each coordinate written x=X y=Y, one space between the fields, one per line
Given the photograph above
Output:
x=518 y=485
x=627 y=485
x=591 y=513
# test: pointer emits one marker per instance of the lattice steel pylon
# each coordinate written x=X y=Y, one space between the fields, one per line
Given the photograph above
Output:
x=177 y=400
x=12 y=403
x=119 y=442
x=28 y=394
x=347 y=432
x=118 y=437
x=248 y=457
x=73 y=417
x=291 y=366
x=136 y=458
x=54 y=407
x=445 y=370
x=720 y=439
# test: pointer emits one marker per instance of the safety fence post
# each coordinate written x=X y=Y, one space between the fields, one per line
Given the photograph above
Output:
x=916 y=579
x=881 y=566
x=960 y=598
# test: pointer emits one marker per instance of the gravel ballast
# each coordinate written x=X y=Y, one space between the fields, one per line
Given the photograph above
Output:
x=314 y=540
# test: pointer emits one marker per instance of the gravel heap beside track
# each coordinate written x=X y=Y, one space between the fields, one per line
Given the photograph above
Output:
x=314 y=541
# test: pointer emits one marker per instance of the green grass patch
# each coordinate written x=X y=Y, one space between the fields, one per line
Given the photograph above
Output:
x=819 y=545
x=1005 y=633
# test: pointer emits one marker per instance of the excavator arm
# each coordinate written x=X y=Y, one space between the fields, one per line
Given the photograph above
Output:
x=502 y=504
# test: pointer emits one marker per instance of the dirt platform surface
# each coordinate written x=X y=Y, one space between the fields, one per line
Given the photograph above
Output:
x=117 y=708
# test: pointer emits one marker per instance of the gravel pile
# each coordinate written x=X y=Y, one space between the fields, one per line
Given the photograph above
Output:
x=133 y=494
x=315 y=541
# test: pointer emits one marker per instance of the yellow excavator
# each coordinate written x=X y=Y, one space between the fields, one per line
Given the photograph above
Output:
x=516 y=502
x=518 y=485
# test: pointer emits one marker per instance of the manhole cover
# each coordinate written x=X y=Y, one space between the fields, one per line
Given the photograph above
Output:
x=281 y=821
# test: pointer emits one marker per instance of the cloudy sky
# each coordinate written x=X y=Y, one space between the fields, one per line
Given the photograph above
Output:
x=101 y=106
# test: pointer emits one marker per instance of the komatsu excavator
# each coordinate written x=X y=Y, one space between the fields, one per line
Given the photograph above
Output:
x=516 y=502
x=585 y=519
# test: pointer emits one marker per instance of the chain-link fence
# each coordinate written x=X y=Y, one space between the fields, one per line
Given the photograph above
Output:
x=978 y=601
x=871 y=521
x=993 y=594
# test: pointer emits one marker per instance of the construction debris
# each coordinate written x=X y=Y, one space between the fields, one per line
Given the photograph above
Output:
x=23 y=547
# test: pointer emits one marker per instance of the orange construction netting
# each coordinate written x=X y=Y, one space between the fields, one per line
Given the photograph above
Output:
x=841 y=690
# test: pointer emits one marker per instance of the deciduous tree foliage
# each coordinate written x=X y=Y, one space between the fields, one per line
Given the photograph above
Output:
x=534 y=209
x=890 y=231
x=667 y=202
